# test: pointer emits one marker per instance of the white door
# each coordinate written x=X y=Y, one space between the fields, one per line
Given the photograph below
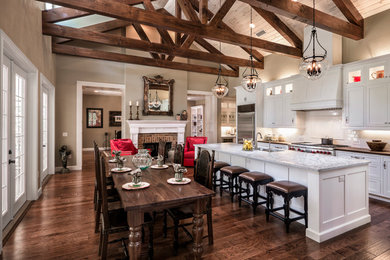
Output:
x=377 y=97
x=45 y=133
x=13 y=140
x=355 y=106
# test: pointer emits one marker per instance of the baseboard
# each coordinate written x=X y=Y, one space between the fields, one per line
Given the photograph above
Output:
x=72 y=168
x=376 y=197
x=91 y=149
x=10 y=228
x=335 y=231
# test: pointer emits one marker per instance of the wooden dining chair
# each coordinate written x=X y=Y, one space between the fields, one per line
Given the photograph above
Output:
x=112 y=194
x=162 y=149
x=203 y=175
x=179 y=154
x=115 y=221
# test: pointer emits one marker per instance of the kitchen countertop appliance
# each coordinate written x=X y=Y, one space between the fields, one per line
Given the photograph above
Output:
x=246 y=125
x=309 y=147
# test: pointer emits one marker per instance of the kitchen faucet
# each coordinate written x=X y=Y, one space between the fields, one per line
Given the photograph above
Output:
x=261 y=137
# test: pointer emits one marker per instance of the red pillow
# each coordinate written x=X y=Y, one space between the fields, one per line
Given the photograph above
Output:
x=193 y=141
x=123 y=146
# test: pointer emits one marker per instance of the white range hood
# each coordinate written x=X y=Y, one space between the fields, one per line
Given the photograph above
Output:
x=326 y=92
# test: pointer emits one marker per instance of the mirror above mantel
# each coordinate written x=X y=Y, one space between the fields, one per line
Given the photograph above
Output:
x=158 y=95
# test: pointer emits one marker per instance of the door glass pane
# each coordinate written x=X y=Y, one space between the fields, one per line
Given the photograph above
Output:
x=4 y=140
x=19 y=135
x=44 y=130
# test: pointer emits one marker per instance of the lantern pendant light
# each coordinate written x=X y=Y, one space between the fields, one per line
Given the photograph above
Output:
x=220 y=88
x=315 y=65
x=250 y=78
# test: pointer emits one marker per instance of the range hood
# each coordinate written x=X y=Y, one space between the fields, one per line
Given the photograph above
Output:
x=326 y=92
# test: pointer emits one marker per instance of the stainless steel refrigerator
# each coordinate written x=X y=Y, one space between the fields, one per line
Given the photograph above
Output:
x=246 y=125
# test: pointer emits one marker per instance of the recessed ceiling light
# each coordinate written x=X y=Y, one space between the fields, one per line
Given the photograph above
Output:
x=260 y=33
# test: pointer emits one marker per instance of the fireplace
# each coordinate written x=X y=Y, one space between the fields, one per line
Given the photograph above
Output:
x=153 y=147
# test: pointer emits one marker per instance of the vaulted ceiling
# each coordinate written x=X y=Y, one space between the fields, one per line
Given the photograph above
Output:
x=203 y=24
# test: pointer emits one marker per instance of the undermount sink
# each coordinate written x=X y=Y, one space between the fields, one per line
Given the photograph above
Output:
x=268 y=150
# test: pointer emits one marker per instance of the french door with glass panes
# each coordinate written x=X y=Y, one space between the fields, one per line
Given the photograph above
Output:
x=13 y=181
x=45 y=133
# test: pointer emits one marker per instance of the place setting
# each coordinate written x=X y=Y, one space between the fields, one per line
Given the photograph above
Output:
x=142 y=160
x=179 y=178
x=160 y=163
x=119 y=163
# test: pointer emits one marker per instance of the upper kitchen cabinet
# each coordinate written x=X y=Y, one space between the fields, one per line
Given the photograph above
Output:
x=277 y=104
x=324 y=93
x=228 y=112
x=244 y=97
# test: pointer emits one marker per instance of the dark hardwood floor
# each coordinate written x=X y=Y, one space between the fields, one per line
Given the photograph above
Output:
x=60 y=225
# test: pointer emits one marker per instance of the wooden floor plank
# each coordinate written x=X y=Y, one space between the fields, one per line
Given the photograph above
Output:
x=60 y=225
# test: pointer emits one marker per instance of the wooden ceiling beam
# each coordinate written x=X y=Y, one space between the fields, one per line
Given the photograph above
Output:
x=178 y=15
x=203 y=6
x=137 y=27
x=60 y=14
x=124 y=58
x=280 y=27
x=349 y=11
x=304 y=13
x=137 y=15
x=142 y=45
x=256 y=55
x=221 y=13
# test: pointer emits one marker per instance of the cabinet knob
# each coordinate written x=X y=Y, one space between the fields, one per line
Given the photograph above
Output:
x=384 y=165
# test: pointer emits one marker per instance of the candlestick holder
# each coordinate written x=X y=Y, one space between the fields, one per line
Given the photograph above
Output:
x=131 y=113
x=137 y=115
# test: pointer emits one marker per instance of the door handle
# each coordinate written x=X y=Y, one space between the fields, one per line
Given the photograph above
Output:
x=11 y=161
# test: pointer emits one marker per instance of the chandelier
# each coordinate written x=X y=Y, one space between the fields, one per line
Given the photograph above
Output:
x=314 y=66
x=156 y=103
x=250 y=78
x=220 y=88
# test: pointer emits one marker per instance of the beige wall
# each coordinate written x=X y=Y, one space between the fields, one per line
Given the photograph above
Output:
x=108 y=103
x=376 y=40
x=21 y=20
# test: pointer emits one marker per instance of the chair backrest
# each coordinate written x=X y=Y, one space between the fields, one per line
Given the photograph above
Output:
x=125 y=145
x=191 y=140
x=179 y=154
x=97 y=166
x=103 y=193
x=203 y=169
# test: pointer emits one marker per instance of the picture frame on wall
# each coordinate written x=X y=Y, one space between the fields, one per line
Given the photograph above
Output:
x=115 y=118
x=94 y=117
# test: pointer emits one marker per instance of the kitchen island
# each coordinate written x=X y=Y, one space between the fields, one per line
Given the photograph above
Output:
x=337 y=187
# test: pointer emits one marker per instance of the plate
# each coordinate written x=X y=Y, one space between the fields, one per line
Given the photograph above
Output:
x=119 y=170
x=184 y=181
x=130 y=186
x=159 y=167
x=112 y=161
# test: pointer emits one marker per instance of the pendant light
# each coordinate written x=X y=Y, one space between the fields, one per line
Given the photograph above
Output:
x=250 y=78
x=220 y=88
x=315 y=65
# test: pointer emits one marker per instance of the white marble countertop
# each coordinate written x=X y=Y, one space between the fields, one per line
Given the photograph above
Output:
x=316 y=162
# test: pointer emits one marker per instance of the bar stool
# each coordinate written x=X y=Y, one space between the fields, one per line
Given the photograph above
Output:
x=288 y=190
x=254 y=179
x=217 y=167
x=231 y=185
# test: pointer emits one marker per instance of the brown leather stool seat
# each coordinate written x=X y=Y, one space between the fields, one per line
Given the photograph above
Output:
x=254 y=179
x=288 y=190
x=231 y=185
x=217 y=166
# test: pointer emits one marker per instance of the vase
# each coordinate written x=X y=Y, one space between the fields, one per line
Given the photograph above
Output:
x=142 y=159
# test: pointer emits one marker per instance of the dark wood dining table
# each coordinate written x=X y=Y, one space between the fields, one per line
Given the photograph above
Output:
x=158 y=196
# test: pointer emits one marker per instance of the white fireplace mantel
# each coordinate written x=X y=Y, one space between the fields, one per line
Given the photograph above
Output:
x=156 y=127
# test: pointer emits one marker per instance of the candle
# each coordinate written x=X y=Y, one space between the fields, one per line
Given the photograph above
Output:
x=130 y=103
x=137 y=103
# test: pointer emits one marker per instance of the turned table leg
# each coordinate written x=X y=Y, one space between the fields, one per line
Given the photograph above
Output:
x=197 y=230
x=135 y=221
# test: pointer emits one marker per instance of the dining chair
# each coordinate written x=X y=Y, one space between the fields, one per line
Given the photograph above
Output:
x=115 y=221
x=112 y=194
x=203 y=175
x=162 y=149
x=179 y=154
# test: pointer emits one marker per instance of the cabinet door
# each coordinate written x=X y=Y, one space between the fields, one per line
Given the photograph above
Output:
x=289 y=115
x=377 y=108
x=386 y=178
x=278 y=111
x=354 y=107
x=269 y=114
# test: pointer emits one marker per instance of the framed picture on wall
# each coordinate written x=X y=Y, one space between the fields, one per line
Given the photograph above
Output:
x=94 y=117
x=115 y=118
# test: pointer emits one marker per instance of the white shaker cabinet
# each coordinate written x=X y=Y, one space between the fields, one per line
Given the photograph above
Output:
x=386 y=177
x=377 y=105
x=244 y=97
x=354 y=106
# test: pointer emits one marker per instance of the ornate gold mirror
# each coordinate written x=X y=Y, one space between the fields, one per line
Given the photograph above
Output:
x=158 y=95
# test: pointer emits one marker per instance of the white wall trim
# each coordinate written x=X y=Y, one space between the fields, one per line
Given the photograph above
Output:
x=79 y=114
x=45 y=83
x=89 y=149
x=199 y=92
x=72 y=168
x=9 y=48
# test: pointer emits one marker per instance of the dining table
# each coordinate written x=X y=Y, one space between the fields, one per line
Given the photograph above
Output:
x=160 y=195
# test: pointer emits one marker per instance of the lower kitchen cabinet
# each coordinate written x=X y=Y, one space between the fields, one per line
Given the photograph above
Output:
x=379 y=175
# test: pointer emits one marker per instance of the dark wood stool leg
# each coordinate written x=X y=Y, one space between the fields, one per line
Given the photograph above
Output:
x=255 y=198
x=287 y=213
x=231 y=188
x=215 y=179
x=268 y=204
x=305 y=208
x=220 y=187
x=240 y=192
